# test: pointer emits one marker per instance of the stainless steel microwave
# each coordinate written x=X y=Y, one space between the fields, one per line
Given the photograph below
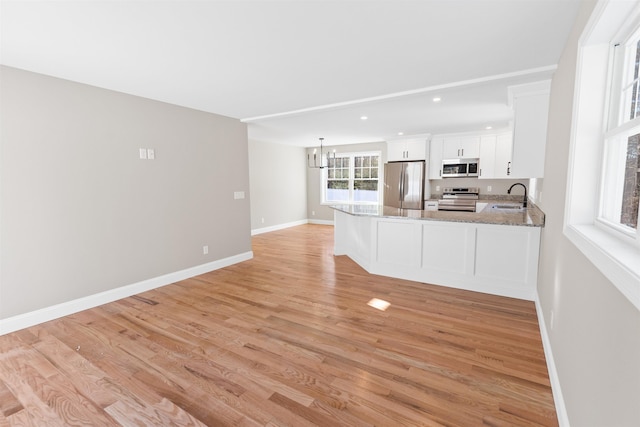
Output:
x=457 y=168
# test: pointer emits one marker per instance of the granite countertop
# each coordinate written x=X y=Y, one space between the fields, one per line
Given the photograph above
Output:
x=532 y=216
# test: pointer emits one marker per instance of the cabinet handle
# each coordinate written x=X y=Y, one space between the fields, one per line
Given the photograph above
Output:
x=509 y=168
x=480 y=174
x=462 y=149
x=440 y=172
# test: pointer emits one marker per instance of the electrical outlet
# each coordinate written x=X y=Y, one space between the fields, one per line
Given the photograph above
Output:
x=313 y=213
x=205 y=250
x=489 y=189
x=437 y=188
x=262 y=220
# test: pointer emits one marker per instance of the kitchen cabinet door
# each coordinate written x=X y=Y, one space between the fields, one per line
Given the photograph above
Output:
x=487 y=156
x=502 y=164
x=531 y=110
x=396 y=151
x=407 y=149
x=435 y=158
x=507 y=256
x=416 y=149
x=530 y=135
x=461 y=147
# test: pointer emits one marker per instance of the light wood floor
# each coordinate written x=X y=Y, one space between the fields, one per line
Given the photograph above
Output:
x=285 y=339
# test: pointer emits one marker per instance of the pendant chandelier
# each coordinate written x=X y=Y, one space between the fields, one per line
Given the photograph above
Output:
x=318 y=160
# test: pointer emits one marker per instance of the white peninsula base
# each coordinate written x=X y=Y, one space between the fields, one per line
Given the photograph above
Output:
x=489 y=258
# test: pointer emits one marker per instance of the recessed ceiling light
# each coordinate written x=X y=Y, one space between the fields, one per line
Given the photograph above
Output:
x=400 y=133
x=363 y=117
x=437 y=99
x=489 y=127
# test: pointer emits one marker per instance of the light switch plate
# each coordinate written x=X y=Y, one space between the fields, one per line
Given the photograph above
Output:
x=143 y=154
x=238 y=195
x=151 y=154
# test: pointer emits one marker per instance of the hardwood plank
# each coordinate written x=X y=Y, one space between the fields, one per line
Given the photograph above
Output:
x=284 y=339
x=9 y=404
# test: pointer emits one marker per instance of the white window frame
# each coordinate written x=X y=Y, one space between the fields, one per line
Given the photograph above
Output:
x=614 y=251
x=352 y=155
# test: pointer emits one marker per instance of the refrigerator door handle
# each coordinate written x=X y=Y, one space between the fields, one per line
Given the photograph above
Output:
x=401 y=192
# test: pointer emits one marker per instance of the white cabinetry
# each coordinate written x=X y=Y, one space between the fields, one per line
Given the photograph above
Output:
x=435 y=158
x=531 y=110
x=496 y=259
x=487 y=156
x=459 y=147
x=407 y=149
x=495 y=156
x=451 y=147
x=398 y=243
x=503 y=254
x=504 y=146
x=443 y=239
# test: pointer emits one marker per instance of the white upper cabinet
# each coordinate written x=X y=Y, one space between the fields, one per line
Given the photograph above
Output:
x=531 y=110
x=460 y=147
x=435 y=158
x=487 y=156
x=502 y=159
x=407 y=149
x=495 y=156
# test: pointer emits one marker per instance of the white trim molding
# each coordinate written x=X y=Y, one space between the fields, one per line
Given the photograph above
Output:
x=615 y=254
x=617 y=260
x=320 y=222
x=257 y=231
x=21 y=321
x=278 y=227
x=558 y=399
x=543 y=71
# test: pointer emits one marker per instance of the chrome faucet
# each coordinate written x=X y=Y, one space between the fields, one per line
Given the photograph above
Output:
x=524 y=204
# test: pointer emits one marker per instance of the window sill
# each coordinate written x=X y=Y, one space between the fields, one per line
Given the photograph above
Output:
x=617 y=260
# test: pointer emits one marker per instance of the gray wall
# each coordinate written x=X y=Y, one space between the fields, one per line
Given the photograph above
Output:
x=595 y=337
x=81 y=214
x=278 y=175
x=315 y=210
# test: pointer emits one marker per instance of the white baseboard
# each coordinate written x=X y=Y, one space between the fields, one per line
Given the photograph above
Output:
x=561 y=410
x=320 y=222
x=289 y=224
x=26 y=320
x=278 y=227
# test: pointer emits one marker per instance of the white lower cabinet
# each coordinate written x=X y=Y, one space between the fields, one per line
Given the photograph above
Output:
x=489 y=258
x=398 y=243
x=446 y=248
x=507 y=255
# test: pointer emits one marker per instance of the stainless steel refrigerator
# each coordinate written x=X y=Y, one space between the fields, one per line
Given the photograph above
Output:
x=404 y=184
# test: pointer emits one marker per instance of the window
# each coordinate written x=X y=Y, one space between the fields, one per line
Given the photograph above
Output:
x=352 y=178
x=620 y=172
x=620 y=183
x=603 y=176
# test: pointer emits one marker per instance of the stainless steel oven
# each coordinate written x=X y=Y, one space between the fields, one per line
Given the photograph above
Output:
x=459 y=199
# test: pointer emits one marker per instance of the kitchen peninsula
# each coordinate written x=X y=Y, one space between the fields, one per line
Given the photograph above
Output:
x=493 y=251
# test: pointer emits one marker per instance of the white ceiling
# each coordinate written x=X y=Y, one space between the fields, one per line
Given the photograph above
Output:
x=298 y=70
